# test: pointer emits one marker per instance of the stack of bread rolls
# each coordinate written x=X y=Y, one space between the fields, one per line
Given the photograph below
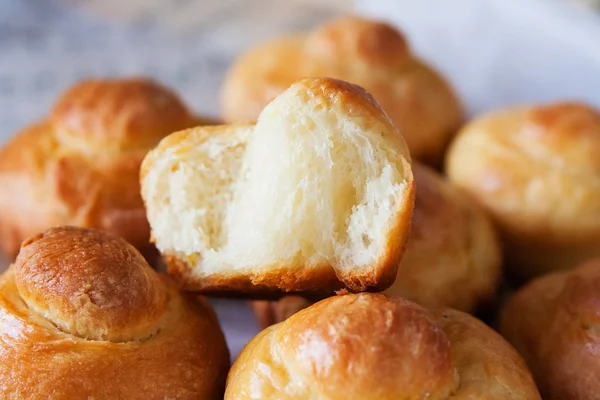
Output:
x=343 y=171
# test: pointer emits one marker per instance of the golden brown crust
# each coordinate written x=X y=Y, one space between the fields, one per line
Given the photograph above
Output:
x=521 y=164
x=553 y=322
x=275 y=281
x=452 y=256
x=336 y=93
x=89 y=301
x=351 y=38
x=134 y=335
x=378 y=347
x=489 y=368
x=81 y=166
x=368 y=53
x=117 y=115
x=270 y=284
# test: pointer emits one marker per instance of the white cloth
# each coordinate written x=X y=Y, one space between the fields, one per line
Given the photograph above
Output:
x=499 y=53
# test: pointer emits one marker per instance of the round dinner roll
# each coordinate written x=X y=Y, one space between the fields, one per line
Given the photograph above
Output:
x=537 y=171
x=554 y=322
x=371 y=54
x=80 y=165
x=452 y=256
x=82 y=315
x=317 y=196
x=371 y=346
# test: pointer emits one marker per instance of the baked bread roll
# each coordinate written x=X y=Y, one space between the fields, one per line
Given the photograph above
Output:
x=553 y=322
x=82 y=315
x=316 y=196
x=368 y=53
x=370 y=346
x=452 y=256
x=537 y=171
x=80 y=166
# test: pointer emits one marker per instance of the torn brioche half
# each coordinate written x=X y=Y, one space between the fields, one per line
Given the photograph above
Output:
x=316 y=197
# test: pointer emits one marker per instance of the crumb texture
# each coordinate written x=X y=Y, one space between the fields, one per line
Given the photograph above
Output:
x=323 y=178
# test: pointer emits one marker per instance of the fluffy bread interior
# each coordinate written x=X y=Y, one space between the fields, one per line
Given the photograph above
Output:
x=322 y=180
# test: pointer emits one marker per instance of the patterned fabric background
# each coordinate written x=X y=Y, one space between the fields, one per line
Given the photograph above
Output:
x=46 y=45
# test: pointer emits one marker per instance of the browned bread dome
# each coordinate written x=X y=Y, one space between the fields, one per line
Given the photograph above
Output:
x=82 y=315
x=554 y=323
x=370 y=346
x=80 y=166
x=536 y=170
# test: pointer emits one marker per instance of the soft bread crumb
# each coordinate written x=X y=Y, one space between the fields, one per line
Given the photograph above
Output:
x=191 y=185
x=323 y=179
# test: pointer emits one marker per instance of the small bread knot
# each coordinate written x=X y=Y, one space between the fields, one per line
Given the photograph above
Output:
x=118 y=115
x=356 y=38
x=90 y=284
